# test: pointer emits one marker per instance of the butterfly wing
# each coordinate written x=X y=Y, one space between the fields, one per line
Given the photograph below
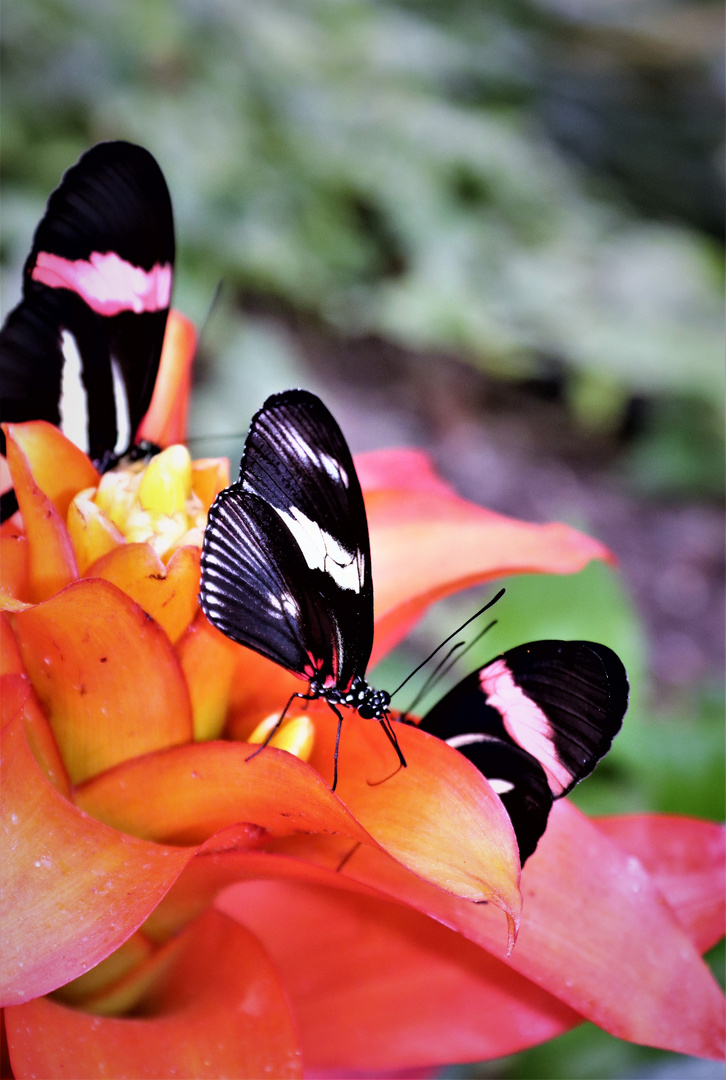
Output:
x=286 y=557
x=535 y=721
x=100 y=269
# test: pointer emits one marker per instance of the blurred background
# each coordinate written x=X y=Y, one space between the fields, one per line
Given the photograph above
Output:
x=490 y=229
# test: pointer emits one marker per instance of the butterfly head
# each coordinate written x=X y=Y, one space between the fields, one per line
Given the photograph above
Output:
x=370 y=704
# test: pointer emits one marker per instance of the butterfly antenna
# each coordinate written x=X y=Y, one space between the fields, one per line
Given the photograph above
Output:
x=225 y=436
x=446 y=640
x=430 y=679
x=445 y=670
x=212 y=305
x=202 y=331
x=444 y=667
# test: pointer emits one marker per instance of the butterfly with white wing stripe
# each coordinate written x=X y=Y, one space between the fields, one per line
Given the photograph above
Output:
x=286 y=562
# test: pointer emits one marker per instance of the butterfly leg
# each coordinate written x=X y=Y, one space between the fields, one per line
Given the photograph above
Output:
x=337 y=744
x=271 y=732
x=391 y=736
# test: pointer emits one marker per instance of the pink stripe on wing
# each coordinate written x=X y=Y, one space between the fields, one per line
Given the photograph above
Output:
x=107 y=282
x=524 y=721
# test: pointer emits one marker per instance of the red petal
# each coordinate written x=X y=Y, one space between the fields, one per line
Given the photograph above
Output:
x=375 y=985
x=167 y=593
x=73 y=889
x=439 y=816
x=226 y=858
x=628 y=965
x=220 y=1011
x=400 y=468
x=106 y=674
x=51 y=561
x=59 y=468
x=427 y=544
x=165 y=422
x=687 y=860
x=595 y=932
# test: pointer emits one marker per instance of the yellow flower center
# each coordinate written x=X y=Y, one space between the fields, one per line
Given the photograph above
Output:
x=139 y=503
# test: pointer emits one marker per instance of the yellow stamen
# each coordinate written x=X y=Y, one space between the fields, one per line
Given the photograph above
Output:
x=167 y=481
x=296 y=734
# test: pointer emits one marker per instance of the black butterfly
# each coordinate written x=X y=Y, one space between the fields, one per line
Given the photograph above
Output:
x=100 y=271
x=286 y=563
x=535 y=721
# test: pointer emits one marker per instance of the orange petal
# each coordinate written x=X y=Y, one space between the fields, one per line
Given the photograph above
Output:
x=59 y=468
x=17 y=696
x=106 y=674
x=165 y=422
x=219 y=1011
x=92 y=533
x=209 y=477
x=115 y=969
x=259 y=687
x=439 y=817
x=376 y=985
x=51 y=561
x=167 y=593
x=183 y=795
x=426 y=544
x=14 y=563
x=16 y=690
x=73 y=889
x=687 y=860
x=10 y=660
x=208 y=660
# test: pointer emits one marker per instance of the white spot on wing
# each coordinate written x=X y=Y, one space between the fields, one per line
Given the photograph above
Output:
x=123 y=420
x=467 y=740
x=290 y=606
x=304 y=451
x=73 y=403
x=501 y=786
x=334 y=469
x=322 y=551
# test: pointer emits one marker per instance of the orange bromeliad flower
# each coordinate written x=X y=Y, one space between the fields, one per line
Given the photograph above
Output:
x=171 y=908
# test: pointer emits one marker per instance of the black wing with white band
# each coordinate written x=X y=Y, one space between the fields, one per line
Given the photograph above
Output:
x=286 y=557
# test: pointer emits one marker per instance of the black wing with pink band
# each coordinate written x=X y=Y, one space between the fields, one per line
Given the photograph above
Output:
x=100 y=270
x=535 y=721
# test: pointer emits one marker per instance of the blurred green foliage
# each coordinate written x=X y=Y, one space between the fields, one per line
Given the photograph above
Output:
x=391 y=167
